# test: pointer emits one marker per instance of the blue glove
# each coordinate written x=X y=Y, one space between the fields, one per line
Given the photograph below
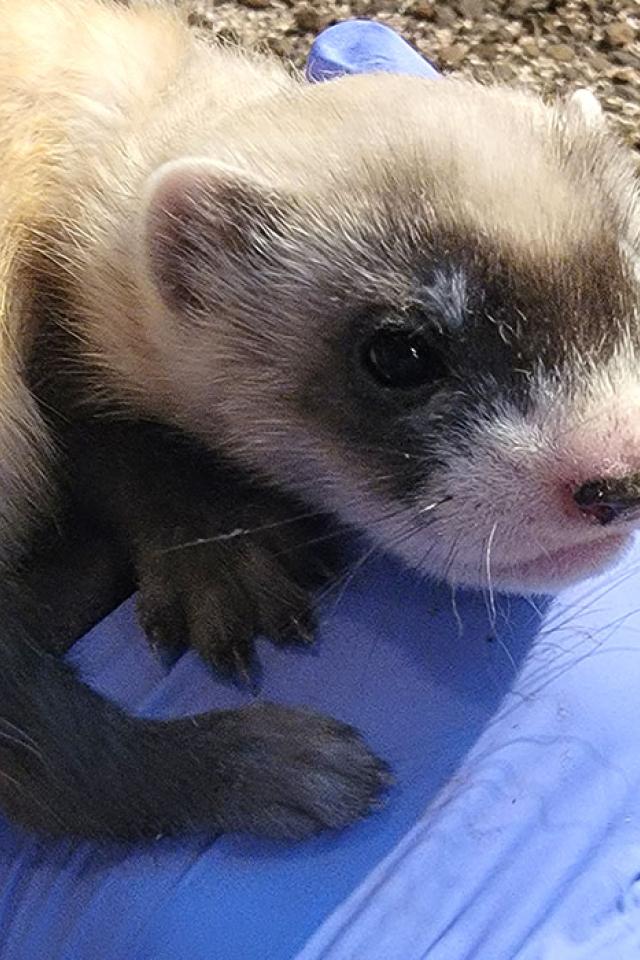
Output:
x=364 y=46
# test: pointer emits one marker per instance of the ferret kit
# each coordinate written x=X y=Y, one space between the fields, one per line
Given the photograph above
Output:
x=245 y=313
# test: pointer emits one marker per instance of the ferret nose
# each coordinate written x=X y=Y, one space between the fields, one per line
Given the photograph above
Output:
x=610 y=499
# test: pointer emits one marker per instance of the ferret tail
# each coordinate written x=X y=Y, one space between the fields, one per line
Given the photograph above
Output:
x=72 y=763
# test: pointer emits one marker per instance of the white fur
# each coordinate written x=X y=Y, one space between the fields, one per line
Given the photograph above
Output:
x=587 y=106
x=513 y=491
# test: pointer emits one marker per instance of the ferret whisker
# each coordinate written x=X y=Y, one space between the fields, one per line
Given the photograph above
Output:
x=347 y=577
x=450 y=558
x=564 y=648
x=455 y=610
x=540 y=545
x=491 y=609
x=430 y=507
x=534 y=606
x=20 y=742
x=19 y=732
x=503 y=646
x=571 y=659
x=564 y=652
x=446 y=575
x=406 y=536
x=240 y=532
x=579 y=608
x=419 y=565
x=22 y=789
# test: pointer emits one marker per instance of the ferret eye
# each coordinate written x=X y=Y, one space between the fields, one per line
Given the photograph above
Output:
x=402 y=359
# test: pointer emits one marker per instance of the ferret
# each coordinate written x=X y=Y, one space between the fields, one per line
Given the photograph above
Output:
x=396 y=306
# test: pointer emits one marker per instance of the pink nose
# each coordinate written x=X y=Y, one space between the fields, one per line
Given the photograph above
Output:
x=609 y=499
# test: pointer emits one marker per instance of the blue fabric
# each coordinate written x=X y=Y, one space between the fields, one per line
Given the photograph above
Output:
x=532 y=849
x=376 y=661
x=514 y=828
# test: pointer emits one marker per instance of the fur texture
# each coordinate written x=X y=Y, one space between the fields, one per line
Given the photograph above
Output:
x=423 y=322
x=207 y=254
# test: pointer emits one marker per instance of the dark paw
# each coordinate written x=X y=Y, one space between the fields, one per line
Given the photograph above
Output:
x=184 y=601
x=294 y=773
x=218 y=596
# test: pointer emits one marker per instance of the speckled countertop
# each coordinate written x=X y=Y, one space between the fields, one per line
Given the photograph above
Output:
x=552 y=45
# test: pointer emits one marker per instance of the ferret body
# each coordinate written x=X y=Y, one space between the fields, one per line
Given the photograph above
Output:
x=411 y=306
x=82 y=125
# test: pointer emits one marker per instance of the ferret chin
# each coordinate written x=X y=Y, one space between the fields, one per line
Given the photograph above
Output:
x=550 y=572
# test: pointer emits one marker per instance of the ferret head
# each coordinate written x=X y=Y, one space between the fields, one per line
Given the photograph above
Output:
x=417 y=305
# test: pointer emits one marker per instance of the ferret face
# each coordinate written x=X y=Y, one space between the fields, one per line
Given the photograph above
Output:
x=442 y=353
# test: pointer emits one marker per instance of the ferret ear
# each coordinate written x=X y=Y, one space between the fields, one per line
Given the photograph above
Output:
x=203 y=220
x=585 y=105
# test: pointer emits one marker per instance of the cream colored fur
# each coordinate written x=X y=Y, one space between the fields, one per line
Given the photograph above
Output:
x=95 y=101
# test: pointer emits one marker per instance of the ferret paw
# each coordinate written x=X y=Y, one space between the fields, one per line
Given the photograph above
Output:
x=218 y=596
x=294 y=773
